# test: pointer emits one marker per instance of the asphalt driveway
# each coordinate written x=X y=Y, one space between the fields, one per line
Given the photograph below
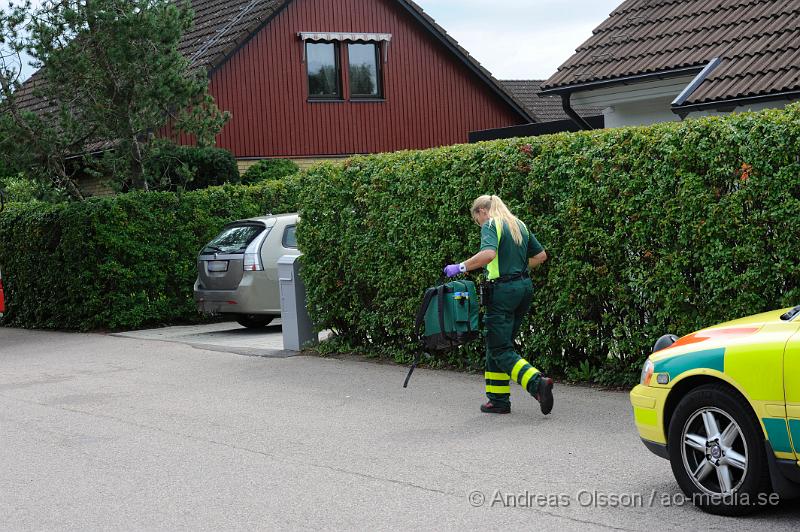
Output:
x=111 y=432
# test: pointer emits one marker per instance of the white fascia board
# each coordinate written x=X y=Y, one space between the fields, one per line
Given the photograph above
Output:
x=632 y=92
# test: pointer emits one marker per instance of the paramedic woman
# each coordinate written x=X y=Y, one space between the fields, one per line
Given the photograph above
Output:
x=508 y=250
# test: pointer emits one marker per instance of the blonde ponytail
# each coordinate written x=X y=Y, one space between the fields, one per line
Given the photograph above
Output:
x=499 y=213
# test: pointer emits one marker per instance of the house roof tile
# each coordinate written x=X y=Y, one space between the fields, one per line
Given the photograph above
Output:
x=543 y=108
x=757 y=41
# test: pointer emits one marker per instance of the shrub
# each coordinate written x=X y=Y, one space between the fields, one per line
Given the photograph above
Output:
x=269 y=169
x=126 y=261
x=171 y=167
x=21 y=189
x=668 y=228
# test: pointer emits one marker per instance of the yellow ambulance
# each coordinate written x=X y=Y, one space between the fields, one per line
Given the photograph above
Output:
x=723 y=406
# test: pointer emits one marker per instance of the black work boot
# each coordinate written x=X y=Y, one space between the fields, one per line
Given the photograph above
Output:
x=545 y=395
x=491 y=408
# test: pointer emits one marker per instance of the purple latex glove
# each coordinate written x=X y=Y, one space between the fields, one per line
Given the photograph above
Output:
x=452 y=270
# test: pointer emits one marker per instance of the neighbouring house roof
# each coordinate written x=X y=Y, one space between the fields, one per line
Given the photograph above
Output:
x=757 y=43
x=543 y=108
x=25 y=94
x=221 y=27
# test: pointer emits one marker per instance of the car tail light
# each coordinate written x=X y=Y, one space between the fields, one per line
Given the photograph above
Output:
x=252 y=255
x=252 y=262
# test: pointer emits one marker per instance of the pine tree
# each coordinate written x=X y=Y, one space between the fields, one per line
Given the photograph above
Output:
x=110 y=79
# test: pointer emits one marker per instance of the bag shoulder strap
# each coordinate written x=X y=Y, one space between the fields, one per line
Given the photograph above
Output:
x=440 y=293
x=426 y=302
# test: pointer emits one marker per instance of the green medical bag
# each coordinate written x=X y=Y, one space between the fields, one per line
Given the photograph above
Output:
x=449 y=313
x=450 y=316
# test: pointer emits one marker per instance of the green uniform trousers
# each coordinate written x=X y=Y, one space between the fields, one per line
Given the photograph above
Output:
x=508 y=307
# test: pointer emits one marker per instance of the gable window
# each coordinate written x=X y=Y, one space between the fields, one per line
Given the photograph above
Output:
x=364 y=70
x=324 y=81
x=334 y=75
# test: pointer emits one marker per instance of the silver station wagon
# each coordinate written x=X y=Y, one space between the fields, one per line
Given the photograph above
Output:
x=238 y=271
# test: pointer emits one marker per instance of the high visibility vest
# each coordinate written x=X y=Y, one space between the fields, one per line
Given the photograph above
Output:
x=493 y=268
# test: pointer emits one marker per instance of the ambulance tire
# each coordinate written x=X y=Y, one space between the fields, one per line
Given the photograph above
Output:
x=703 y=463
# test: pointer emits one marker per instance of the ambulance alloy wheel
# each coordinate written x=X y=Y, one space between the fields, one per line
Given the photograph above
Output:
x=716 y=448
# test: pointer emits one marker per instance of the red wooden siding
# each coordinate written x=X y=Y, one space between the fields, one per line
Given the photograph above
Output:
x=431 y=98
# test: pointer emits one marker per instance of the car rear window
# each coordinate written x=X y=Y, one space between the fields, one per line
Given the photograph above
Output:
x=233 y=239
x=290 y=237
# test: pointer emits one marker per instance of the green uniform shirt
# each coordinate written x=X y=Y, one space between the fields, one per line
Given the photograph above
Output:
x=511 y=258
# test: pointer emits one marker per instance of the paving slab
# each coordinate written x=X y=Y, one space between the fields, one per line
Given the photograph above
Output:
x=229 y=337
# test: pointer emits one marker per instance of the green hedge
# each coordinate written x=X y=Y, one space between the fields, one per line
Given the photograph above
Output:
x=667 y=228
x=650 y=230
x=122 y=262
x=269 y=169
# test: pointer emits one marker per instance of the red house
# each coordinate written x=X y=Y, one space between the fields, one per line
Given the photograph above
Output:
x=313 y=79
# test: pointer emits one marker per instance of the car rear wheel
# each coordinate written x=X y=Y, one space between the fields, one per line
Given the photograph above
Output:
x=254 y=321
x=716 y=448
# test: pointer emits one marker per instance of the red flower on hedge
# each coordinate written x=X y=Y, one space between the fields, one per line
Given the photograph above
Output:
x=744 y=171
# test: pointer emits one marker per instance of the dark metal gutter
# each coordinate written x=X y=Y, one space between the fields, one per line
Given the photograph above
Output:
x=567 y=105
x=727 y=105
x=663 y=74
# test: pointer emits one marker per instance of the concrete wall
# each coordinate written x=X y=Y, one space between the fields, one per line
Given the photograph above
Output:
x=650 y=102
x=658 y=110
x=95 y=187
x=754 y=107
x=640 y=113
x=635 y=104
